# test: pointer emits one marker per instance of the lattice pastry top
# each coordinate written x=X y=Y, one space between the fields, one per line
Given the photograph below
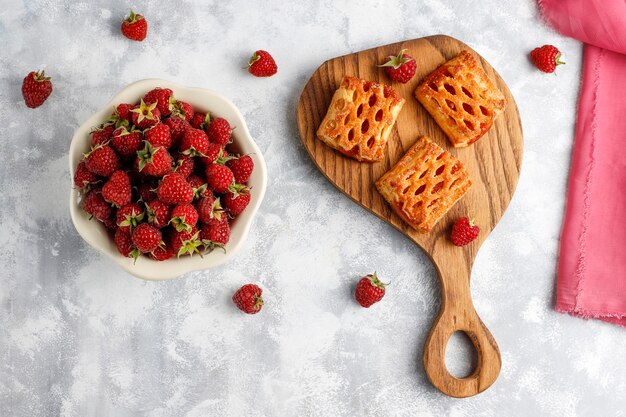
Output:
x=462 y=99
x=360 y=118
x=424 y=184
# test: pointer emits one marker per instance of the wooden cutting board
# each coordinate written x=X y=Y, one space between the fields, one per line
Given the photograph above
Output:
x=493 y=163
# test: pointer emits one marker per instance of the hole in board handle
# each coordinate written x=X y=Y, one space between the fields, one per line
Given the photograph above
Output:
x=461 y=355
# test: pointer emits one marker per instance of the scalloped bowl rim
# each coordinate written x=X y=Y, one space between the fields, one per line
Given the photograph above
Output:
x=94 y=232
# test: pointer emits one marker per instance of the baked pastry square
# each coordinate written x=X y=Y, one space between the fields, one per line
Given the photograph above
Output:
x=425 y=183
x=360 y=118
x=462 y=99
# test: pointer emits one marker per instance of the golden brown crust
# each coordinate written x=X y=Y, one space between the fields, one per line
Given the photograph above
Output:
x=360 y=118
x=425 y=183
x=462 y=99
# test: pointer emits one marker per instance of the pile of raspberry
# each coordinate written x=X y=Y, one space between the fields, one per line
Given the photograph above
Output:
x=162 y=180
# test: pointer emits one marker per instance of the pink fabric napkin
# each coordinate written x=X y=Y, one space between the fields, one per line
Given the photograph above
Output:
x=591 y=277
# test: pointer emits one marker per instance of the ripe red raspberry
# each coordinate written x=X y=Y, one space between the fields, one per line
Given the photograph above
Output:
x=546 y=58
x=101 y=134
x=146 y=238
x=127 y=142
x=145 y=115
x=249 y=299
x=153 y=161
x=195 y=142
x=186 y=242
x=182 y=109
x=236 y=202
x=464 y=231
x=36 y=88
x=175 y=190
x=159 y=135
x=262 y=64
x=400 y=68
x=208 y=208
x=184 y=217
x=162 y=97
x=102 y=161
x=219 y=177
x=242 y=168
x=124 y=244
x=199 y=186
x=146 y=191
x=162 y=253
x=219 y=131
x=117 y=190
x=200 y=120
x=369 y=290
x=178 y=125
x=215 y=153
x=135 y=27
x=129 y=216
x=122 y=112
x=93 y=203
x=216 y=232
x=83 y=178
x=159 y=213
x=184 y=165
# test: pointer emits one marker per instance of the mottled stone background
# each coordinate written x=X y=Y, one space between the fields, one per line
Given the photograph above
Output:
x=79 y=337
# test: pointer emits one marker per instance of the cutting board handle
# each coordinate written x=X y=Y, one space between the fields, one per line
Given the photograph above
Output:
x=457 y=313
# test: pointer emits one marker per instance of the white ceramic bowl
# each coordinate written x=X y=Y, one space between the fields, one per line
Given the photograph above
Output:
x=95 y=233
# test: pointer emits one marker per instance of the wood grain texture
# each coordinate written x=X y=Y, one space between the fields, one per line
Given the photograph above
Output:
x=493 y=162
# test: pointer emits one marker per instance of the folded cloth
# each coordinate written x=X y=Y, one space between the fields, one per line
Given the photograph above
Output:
x=591 y=277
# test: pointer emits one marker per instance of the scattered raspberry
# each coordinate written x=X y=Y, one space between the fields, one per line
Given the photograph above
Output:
x=262 y=64
x=464 y=231
x=122 y=112
x=400 y=68
x=248 y=299
x=546 y=58
x=135 y=27
x=369 y=290
x=36 y=88
x=184 y=165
